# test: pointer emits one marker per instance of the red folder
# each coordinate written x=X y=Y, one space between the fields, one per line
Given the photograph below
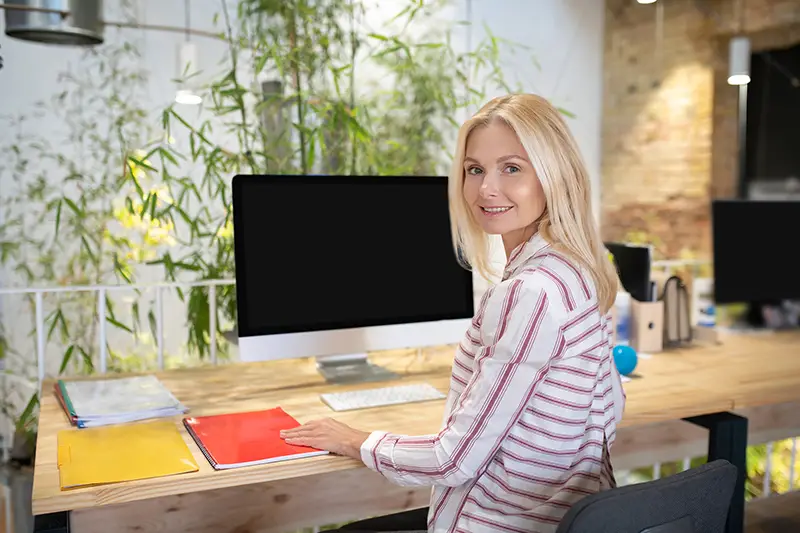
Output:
x=245 y=439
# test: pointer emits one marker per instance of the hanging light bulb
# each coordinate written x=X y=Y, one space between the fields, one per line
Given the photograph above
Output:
x=739 y=61
x=188 y=97
x=187 y=66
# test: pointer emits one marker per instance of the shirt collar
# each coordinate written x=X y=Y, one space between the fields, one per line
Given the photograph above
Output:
x=520 y=255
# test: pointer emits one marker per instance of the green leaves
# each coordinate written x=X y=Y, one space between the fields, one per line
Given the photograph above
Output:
x=126 y=188
x=27 y=420
x=565 y=112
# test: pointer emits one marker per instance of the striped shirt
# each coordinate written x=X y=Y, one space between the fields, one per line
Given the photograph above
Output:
x=532 y=410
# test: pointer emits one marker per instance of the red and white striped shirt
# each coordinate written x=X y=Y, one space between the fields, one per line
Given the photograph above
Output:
x=532 y=410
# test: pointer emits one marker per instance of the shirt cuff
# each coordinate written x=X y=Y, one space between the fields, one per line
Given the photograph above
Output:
x=369 y=449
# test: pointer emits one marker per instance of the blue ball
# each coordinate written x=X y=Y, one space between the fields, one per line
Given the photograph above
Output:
x=625 y=358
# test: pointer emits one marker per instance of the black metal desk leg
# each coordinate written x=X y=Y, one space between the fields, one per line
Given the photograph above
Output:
x=51 y=523
x=727 y=439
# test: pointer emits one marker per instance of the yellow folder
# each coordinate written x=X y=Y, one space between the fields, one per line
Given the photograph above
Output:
x=111 y=454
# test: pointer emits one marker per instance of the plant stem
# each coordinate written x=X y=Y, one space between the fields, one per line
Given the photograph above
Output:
x=297 y=86
x=239 y=97
x=353 y=51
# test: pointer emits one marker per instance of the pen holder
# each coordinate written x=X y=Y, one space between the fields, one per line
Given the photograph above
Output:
x=647 y=326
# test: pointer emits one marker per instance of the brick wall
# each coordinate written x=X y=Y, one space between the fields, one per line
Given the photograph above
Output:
x=670 y=118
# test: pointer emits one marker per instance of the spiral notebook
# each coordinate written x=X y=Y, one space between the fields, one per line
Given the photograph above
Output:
x=250 y=438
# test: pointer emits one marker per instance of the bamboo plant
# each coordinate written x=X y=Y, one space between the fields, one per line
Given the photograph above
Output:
x=64 y=220
x=115 y=188
x=310 y=115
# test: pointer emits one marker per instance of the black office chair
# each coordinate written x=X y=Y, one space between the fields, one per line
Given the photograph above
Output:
x=694 y=501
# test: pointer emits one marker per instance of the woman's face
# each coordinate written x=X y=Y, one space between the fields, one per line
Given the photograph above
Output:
x=500 y=184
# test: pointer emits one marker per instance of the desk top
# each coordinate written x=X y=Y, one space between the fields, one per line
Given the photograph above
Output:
x=743 y=371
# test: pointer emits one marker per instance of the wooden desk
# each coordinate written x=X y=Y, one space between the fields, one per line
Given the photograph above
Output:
x=743 y=371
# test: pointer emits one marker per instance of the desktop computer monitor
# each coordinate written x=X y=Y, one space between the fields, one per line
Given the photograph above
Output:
x=633 y=264
x=756 y=248
x=343 y=265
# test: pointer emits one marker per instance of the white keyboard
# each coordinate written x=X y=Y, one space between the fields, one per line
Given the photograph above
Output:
x=395 y=395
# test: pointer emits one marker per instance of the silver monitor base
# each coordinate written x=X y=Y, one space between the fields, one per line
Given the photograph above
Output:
x=355 y=368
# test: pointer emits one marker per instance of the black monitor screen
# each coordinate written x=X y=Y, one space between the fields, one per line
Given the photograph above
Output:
x=756 y=247
x=633 y=266
x=330 y=252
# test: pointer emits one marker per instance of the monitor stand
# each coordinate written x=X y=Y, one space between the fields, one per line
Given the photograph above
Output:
x=352 y=368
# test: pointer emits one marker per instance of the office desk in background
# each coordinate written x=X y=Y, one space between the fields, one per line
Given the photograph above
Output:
x=704 y=382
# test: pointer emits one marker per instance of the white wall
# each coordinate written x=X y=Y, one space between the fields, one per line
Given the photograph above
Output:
x=565 y=36
x=566 y=39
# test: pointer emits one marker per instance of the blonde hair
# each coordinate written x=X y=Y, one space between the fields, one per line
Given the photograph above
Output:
x=567 y=223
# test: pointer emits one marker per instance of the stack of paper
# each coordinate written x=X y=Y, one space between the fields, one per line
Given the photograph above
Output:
x=122 y=453
x=101 y=402
x=245 y=439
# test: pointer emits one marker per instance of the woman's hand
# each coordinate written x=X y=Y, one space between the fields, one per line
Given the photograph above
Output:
x=327 y=434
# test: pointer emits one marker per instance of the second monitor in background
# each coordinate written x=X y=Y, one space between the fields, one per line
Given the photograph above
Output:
x=756 y=247
x=335 y=266
x=633 y=266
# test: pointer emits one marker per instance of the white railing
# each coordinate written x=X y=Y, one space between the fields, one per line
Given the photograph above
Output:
x=103 y=290
x=624 y=477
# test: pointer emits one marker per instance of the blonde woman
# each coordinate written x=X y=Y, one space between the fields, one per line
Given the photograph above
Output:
x=534 y=397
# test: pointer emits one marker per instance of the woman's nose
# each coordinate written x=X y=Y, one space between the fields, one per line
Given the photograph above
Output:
x=489 y=185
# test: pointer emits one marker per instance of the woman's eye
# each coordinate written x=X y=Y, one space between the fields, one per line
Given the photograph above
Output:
x=511 y=169
x=473 y=170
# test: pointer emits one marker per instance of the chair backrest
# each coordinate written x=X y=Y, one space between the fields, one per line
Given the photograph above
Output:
x=694 y=501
